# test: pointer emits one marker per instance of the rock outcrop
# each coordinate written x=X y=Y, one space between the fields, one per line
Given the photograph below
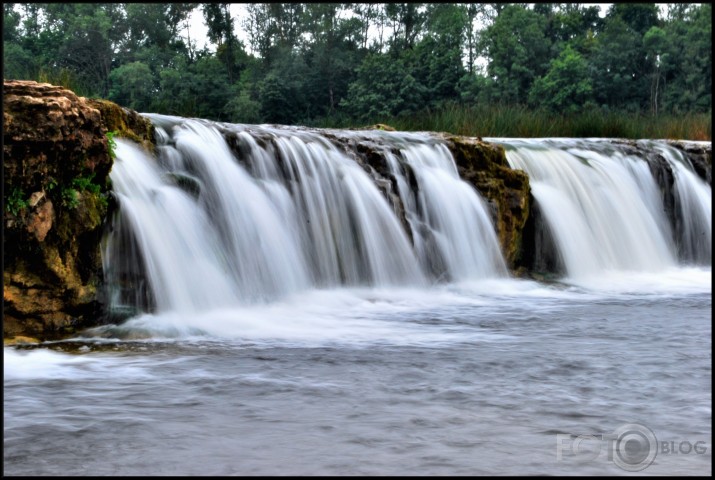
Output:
x=700 y=155
x=57 y=155
x=506 y=190
x=56 y=161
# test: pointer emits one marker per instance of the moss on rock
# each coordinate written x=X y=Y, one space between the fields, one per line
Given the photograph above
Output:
x=56 y=162
x=127 y=123
x=506 y=191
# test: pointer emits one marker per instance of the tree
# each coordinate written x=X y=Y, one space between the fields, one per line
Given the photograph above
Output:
x=18 y=63
x=331 y=55
x=256 y=25
x=406 y=20
x=155 y=23
x=570 y=23
x=242 y=108
x=614 y=75
x=154 y=28
x=273 y=27
x=286 y=24
x=11 y=23
x=655 y=43
x=687 y=60
x=132 y=85
x=383 y=88
x=366 y=14
x=566 y=87
x=437 y=63
x=218 y=19
x=518 y=52
x=277 y=106
x=639 y=17
x=89 y=50
x=473 y=11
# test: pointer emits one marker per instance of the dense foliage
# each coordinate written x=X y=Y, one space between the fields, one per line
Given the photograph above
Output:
x=342 y=64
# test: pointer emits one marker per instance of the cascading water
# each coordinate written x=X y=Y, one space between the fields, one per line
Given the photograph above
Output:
x=233 y=215
x=693 y=199
x=346 y=228
x=603 y=207
x=256 y=213
x=452 y=231
x=181 y=256
x=226 y=247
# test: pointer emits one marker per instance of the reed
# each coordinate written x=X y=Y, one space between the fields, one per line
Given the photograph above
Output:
x=64 y=78
x=519 y=121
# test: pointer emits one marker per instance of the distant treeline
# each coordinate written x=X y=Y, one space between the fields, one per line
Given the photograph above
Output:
x=333 y=64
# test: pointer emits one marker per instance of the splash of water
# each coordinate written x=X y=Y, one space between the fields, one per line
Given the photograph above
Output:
x=229 y=215
x=602 y=205
x=453 y=234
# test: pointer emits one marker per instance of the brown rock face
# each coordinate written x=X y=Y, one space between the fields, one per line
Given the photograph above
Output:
x=40 y=221
x=507 y=191
x=56 y=163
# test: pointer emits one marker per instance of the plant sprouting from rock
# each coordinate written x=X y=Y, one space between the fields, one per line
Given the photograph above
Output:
x=112 y=144
x=16 y=201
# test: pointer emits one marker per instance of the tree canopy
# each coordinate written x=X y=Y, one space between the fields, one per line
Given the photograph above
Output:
x=313 y=63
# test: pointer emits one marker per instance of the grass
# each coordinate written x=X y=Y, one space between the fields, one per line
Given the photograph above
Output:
x=64 y=78
x=516 y=121
x=503 y=120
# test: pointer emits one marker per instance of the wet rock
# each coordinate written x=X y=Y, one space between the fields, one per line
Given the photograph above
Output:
x=506 y=191
x=700 y=155
x=56 y=162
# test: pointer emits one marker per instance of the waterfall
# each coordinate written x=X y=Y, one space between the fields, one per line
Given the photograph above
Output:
x=693 y=204
x=183 y=262
x=453 y=234
x=604 y=208
x=227 y=214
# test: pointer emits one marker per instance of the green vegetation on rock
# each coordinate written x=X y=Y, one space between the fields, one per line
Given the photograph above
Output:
x=56 y=162
x=16 y=201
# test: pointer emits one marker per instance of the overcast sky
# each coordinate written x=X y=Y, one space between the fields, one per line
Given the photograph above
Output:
x=238 y=12
x=198 y=30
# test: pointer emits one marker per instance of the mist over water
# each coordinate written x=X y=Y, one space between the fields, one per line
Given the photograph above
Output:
x=290 y=319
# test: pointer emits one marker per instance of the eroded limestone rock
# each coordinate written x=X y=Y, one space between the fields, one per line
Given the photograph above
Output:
x=56 y=162
x=506 y=191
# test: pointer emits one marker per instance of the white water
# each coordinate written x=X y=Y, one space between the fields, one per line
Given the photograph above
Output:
x=285 y=211
x=447 y=216
x=328 y=213
x=694 y=203
x=603 y=207
x=181 y=251
x=292 y=218
x=471 y=378
x=357 y=365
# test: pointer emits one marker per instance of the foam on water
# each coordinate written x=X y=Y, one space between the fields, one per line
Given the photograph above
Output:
x=46 y=364
x=438 y=315
x=286 y=238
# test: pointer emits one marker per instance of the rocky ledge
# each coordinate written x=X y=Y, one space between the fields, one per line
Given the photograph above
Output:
x=505 y=190
x=56 y=160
